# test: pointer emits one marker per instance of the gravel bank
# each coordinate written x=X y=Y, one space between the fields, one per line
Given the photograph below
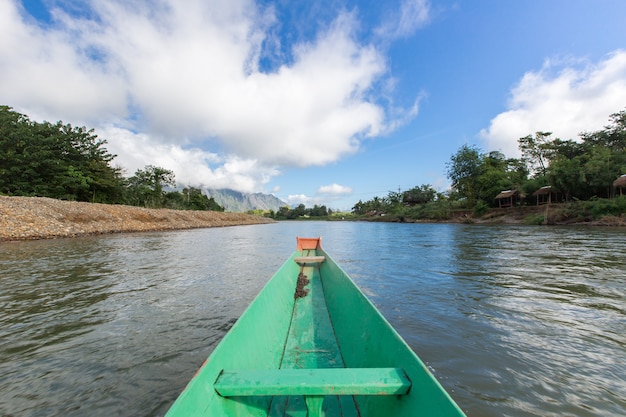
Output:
x=27 y=218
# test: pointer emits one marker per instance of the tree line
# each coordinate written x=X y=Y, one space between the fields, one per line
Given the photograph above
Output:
x=575 y=170
x=61 y=161
x=298 y=212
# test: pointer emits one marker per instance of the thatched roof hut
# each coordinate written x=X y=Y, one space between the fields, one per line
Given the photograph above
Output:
x=506 y=194
x=543 y=190
x=544 y=195
x=620 y=183
x=507 y=198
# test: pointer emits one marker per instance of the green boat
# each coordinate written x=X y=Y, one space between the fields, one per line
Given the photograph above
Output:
x=311 y=344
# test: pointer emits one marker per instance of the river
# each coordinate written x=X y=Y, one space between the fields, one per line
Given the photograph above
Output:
x=513 y=321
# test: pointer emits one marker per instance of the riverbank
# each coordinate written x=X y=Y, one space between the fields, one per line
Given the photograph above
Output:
x=31 y=218
x=555 y=214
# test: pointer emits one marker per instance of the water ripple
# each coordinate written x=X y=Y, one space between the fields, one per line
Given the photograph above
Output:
x=514 y=321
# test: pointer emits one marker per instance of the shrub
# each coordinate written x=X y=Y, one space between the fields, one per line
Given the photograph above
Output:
x=480 y=209
x=534 y=219
x=603 y=207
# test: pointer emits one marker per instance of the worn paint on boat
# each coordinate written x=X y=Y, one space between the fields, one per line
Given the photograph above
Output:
x=311 y=343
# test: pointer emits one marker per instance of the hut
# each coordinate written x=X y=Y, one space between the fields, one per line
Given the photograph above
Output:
x=620 y=183
x=507 y=198
x=544 y=195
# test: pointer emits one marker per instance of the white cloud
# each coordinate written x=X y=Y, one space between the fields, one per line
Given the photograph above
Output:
x=334 y=189
x=44 y=72
x=325 y=195
x=297 y=199
x=163 y=81
x=192 y=166
x=560 y=98
x=413 y=14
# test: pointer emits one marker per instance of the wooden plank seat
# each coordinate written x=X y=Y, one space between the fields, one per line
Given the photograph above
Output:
x=304 y=260
x=313 y=382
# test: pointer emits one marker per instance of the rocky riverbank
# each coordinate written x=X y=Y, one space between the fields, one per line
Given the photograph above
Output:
x=28 y=218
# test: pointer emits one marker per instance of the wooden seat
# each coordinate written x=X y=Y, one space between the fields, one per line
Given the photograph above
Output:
x=305 y=260
x=316 y=382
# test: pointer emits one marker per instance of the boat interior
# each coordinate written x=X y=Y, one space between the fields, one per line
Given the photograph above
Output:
x=313 y=379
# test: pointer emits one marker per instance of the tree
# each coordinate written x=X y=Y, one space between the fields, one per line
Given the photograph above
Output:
x=283 y=212
x=588 y=169
x=537 y=151
x=298 y=212
x=318 y=211
x=55 y=160
x=393 y=199
x=419 y=195
x=195 y=199
x=565 y=175
x=146 y=186
x=479 y=177
x=613 y=136
x=359 y=208
x=497 y=174
x=463 y=170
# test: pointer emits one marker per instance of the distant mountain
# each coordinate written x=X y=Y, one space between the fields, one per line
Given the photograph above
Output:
x=235 y=201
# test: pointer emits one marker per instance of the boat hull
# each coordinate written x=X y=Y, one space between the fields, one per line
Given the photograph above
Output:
x=329 y=324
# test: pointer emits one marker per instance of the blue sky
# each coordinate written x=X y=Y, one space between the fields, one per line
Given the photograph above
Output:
x=325 y=102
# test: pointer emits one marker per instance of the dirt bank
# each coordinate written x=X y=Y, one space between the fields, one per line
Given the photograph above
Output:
x=26 y=218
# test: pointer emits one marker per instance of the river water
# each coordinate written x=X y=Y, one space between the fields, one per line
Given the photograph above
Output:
x=513 y=321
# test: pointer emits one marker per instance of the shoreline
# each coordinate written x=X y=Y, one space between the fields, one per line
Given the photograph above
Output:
x=555 y=215
x=38 y=218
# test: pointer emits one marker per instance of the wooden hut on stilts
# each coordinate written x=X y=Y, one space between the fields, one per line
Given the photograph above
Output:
x=621 y=184
x=507 y=198
x=544 y=195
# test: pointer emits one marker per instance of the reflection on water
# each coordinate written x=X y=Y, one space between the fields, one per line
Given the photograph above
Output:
x=514 y=321
x=554 y=305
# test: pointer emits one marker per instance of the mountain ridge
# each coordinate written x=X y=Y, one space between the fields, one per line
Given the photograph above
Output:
x=238 y=202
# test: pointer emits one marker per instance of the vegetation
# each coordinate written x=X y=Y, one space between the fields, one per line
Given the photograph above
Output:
x=579 y=173
x=55 y=160
x=71 y=163
x=300 y=212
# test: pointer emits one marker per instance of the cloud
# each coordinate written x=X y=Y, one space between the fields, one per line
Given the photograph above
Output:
x=177 y=77
x=563 y=98
x=297 y=199
x=413 y=14
x=192 y=166
x=334 y=189
x=325 y=195
x=45 y=71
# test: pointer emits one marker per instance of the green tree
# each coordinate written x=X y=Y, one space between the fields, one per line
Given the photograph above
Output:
x=318 y=211
x=419 y=195
x=196 y=200
x=498 y=174
x=565 y=175
x=359 y=208
x=463 y=171
x=537 y=151
x=55 y=160
x=174 y=200
x=298 y=211
x=283 y=212
x=479 y=177
x=612 y=137
x=146 y=186
x=582 y=170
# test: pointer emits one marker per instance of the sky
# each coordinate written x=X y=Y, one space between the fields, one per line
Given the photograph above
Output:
x=326 y=102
